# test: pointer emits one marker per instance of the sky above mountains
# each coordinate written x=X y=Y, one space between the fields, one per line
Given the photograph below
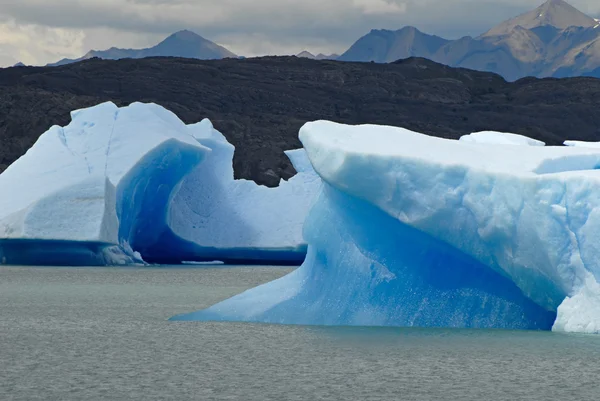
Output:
x=42 y=31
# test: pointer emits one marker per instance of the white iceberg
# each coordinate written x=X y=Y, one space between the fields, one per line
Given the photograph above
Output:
x=119 y=184
x=412 y=230
x=500 y=138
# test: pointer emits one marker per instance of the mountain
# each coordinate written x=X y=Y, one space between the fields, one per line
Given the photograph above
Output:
x=554 y=40
x=555 y=13
x=384 y=46
x=320 y=56
x=259 y=104
x=181 y=44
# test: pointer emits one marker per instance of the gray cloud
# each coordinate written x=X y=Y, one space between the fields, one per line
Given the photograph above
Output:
x=266 y=26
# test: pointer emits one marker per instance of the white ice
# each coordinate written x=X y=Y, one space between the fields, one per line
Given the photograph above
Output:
x=416 y=230
x=117 y=181
x=582 y=144
x=214 y=216
x=77 y=183
x=500 y=138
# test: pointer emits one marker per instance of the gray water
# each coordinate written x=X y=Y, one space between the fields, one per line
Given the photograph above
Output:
x=103 y=334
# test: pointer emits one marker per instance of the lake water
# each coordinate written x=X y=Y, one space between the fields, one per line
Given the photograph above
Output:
x=103 y=334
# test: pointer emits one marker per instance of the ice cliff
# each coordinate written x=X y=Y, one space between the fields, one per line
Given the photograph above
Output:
x=214 y=217
x=412 y=230
x=119 y=184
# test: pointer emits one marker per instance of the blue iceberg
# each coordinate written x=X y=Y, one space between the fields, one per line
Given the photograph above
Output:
x=124 y=185
x=214 y=217
x=411 y=230
x=83 y=193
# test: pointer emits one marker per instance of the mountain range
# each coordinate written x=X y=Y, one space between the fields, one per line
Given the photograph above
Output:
x=181 y=44
x=554 y=40
x=320 y=56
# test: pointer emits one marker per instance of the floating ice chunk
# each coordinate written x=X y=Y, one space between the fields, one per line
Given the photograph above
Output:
x=412 y=230
x=500 y=138
x=581 y=312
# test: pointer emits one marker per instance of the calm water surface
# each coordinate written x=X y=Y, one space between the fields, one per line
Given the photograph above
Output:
x=103 y=334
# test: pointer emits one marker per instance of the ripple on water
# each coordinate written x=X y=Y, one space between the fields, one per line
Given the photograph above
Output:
x=103 y=334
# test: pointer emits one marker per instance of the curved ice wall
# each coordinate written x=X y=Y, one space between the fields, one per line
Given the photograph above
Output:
x=214 y=217
x=119 y=180
x=86 y=192
x=412 y=230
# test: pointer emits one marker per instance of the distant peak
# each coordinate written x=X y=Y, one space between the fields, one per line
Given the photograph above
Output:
x=389 y=33
x=331 y=56
x=555 y=13
x=555 y=2
x=558 y=6
x=409 y=30
x=186 y=35
x=320 y=56
x=305 y=54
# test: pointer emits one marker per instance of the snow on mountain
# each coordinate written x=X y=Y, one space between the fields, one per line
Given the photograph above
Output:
x=412 y=230
x=116 y=181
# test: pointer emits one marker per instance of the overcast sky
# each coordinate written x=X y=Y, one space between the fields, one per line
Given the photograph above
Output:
x=42 y=31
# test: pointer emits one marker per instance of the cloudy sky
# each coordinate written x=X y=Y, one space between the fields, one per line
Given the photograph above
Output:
x=42 y=31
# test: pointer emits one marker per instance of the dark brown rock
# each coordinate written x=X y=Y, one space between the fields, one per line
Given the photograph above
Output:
x=260 y=104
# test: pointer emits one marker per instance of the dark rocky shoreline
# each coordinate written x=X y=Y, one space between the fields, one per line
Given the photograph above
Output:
x=260 y=104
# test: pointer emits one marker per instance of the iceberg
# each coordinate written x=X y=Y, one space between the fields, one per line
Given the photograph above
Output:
x=214 y=217
x=412 y=230
x=83 y=193
x=500 y=138
x=124 y=185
